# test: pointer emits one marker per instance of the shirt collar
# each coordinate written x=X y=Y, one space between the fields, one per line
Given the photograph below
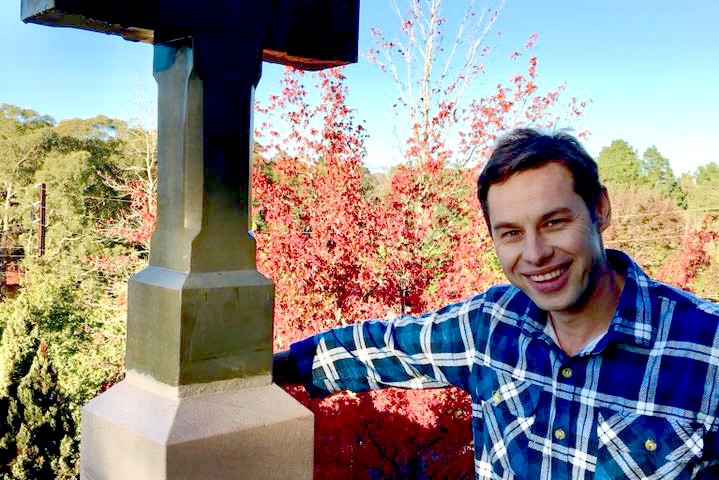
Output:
x=632 y=320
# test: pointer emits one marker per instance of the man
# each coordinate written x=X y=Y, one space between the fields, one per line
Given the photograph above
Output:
x=583 y=367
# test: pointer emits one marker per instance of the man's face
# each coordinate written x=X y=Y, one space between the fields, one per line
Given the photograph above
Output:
x=545 y=239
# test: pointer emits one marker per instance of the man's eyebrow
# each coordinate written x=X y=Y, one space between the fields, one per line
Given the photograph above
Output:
x=543 y=218
x=504 y=225
x=556 y=211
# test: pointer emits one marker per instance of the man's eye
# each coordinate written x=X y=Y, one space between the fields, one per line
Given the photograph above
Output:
x=555 y=222
x=510 y=234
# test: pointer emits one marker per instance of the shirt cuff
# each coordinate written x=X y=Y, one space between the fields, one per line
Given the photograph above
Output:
x=303 y=353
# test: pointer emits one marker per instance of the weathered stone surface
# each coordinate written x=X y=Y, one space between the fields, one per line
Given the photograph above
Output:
x=188 y=328
x=130 y=432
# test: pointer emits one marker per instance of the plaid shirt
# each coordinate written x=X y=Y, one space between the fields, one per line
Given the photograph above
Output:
x=639 y=403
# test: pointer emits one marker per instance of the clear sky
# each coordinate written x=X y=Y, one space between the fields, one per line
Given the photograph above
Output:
x=649 y=68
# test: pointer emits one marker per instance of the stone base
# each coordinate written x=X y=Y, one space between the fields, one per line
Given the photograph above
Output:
x=259 y=433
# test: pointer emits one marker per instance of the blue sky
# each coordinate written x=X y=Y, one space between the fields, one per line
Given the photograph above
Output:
x=650 y=69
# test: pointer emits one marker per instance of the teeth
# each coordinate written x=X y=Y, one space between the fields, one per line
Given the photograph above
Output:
x=546 y=276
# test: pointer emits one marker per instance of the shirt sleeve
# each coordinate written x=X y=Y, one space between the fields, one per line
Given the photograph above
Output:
x=431 y=350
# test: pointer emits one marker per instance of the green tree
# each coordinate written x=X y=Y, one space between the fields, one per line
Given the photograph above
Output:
x=659 y=175
x=74 y=159
x=38 y=438
x=46 y=443
x=75 y=298
x=619 y=165
x=75 y=309
x=75 y=152
x=67 y=305
x=19 y=342
x=706 y=194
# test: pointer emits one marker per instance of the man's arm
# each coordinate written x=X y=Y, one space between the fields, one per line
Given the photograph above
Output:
x=430 y=350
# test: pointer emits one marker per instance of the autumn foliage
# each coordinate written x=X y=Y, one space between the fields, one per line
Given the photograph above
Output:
x=339 y=255
x=683 y=269
x=137 y=226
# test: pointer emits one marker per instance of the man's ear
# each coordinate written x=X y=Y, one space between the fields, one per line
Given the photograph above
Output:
x=604 y=210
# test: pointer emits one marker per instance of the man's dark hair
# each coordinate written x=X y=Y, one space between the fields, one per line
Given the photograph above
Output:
x=525 y=148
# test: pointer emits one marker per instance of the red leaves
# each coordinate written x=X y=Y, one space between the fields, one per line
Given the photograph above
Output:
x=339 y=252
x=138 y=224
x=532 y=42
x=683 y=270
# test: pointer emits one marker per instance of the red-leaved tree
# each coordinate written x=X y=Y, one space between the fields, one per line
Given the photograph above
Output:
x=333 y=252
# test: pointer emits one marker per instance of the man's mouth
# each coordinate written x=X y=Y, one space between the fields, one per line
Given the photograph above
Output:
x=551 y=275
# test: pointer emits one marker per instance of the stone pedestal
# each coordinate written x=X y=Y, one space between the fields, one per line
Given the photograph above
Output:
x=137 y=431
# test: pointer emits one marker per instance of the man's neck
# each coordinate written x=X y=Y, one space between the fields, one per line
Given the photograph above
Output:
x=576 y=329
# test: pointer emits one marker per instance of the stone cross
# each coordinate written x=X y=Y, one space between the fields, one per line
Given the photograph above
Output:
x=198 y=401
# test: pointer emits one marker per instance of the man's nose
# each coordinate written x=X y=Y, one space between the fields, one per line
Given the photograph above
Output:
x=536 y=249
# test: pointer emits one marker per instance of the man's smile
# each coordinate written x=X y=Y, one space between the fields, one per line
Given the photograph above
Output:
x=543 y=277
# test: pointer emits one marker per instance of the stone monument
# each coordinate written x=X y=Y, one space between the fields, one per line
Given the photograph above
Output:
x=198 y=400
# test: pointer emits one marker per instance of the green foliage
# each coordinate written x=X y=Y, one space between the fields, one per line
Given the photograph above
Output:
x=19 y=342
x=702 y=189
x=22 y=135
x=659 y=175
x=37 y=423
x=619 y=165
x=621 y=169
x=85 y=165
x=74 y=296
x=75 y=311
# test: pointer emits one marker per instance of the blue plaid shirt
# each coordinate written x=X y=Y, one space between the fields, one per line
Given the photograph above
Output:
x=640 y=403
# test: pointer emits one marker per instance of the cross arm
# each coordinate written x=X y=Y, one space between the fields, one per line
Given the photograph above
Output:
x=132 y=19
x=308 y=34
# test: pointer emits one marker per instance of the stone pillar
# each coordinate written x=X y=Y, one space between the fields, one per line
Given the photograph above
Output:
x=198 y=401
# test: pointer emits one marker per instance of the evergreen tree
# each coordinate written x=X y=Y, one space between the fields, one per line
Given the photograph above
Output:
x=707 y=182
x=47 y=430
x=39 y=435
x=702 y=189
x=619 y=165
x=17 y=349
x=659 y=175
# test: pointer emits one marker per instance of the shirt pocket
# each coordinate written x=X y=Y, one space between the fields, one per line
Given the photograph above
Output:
x=507 y=414
x=511 y=397
x=645 y=447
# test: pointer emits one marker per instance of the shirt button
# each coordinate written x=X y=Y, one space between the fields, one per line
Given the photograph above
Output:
x=559 y=434
x=567 y=372
x=650 y=445
x=496 y=398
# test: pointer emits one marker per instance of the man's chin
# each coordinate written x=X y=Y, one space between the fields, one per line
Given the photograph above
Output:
x=551 y=303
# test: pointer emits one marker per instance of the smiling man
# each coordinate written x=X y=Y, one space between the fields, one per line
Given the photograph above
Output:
x=582 y=368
